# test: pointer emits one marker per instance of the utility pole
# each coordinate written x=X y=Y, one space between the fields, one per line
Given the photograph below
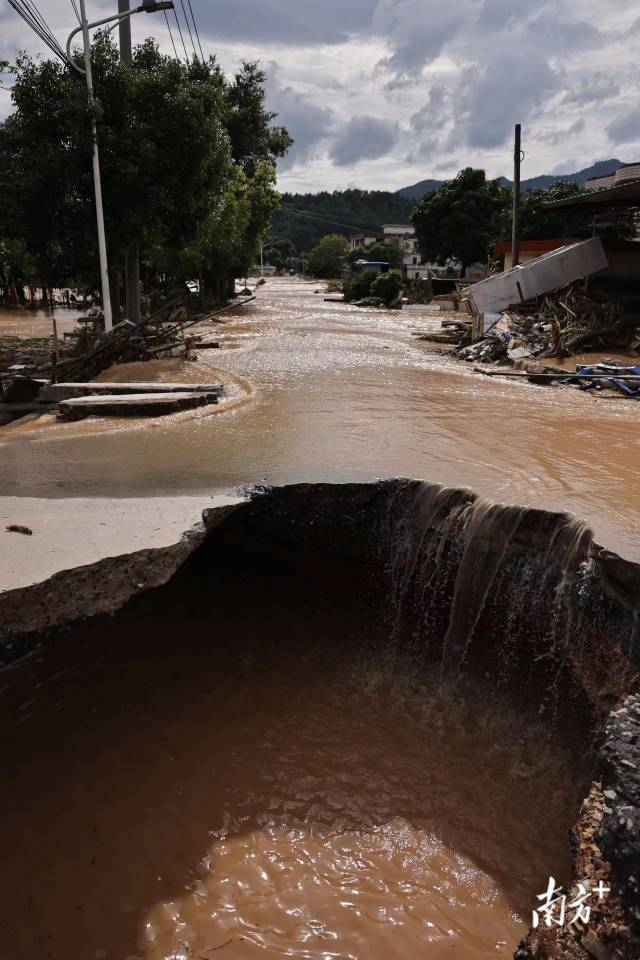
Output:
x=517 y=160
x=97 y=183
x=133 y=254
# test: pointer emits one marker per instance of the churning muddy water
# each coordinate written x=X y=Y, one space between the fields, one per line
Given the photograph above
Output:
x=335 y=393
x=239 y=765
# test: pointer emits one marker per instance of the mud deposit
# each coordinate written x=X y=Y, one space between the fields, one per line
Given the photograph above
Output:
x=301 y=747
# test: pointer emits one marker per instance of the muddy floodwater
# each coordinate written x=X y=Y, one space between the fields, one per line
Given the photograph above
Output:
x=237 y=767
x=326 y=391
x=247 y=762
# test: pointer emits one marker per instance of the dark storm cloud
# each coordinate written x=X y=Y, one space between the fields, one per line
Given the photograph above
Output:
x=295 y=22
x=308 y=123
x=626 y=128
x=593 y=89
x=363 y=138
x=503 y=93
x=433 y=115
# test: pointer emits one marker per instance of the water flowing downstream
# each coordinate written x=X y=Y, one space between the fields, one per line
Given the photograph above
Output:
x=326 y=391
x=352 y=719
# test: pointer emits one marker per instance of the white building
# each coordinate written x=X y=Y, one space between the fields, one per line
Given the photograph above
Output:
x=404 y=234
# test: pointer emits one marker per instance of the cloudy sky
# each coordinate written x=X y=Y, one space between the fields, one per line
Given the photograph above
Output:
x=382 y=93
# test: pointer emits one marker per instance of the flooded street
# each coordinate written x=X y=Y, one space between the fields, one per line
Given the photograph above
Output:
x=325 y=391
x=250 y=761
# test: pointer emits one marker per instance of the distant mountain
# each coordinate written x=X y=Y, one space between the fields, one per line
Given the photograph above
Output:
x=599 y=169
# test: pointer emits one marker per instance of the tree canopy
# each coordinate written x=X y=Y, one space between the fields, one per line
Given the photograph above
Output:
x=187 y=159
x=329 y=256
x=388 y=251
x=461 y=219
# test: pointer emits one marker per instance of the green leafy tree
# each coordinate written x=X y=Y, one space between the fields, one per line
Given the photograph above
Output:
x=181 y=149
x=387 y=287
x=328 y=257
x=387 y=251
x=358 y=286
x=461 y=219
x=536 y=223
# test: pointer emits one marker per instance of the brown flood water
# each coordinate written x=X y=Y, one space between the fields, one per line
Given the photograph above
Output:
x=235 y=768
x=325 y=391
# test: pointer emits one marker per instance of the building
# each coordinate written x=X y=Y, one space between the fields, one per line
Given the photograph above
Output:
x=402 y=233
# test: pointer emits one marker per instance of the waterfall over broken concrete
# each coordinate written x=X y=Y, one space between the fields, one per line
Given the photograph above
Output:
x=485 y=607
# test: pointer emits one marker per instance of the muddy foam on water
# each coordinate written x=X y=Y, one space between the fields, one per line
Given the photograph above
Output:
x=336 y=394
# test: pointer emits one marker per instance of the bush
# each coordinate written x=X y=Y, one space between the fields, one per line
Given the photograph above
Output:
x=359 y=286
x=387 y=286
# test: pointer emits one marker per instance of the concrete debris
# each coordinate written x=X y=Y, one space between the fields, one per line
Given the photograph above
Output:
x=566 y=321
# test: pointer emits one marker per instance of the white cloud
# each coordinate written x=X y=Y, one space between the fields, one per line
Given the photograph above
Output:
x=406 y=85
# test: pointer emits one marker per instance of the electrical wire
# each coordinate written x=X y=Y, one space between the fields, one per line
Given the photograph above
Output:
x=29 y=12
x=175 y=13
x=186 y=20
x=171 y=35
x=195 y=27
x=313 y=216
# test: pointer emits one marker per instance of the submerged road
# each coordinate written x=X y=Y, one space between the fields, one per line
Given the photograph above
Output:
x=329 y=392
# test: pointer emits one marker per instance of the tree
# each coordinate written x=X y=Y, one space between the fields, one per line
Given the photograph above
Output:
x=536 y=223
x=164 y=183
x=328 y=257
x=461 y=219
x=386 y=251
x=387 y=287
x=358 y=286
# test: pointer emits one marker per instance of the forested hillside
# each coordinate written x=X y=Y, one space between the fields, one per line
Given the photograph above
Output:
x=305 y=217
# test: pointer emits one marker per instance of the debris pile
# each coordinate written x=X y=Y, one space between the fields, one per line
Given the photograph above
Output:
x=556 y=326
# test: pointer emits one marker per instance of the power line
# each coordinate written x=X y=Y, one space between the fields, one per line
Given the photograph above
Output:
x=195 y=27
x=29 y=12
x=175 y=13
x=170 y=34
x=186 y=20
x=313 y=216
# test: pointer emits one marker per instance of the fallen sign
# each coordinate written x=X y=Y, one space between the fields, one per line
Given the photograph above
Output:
x=133 y=404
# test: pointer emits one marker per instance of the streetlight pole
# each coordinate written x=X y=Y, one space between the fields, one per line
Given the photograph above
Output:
x=97 y=183
x=132 y=271
x=148 y=6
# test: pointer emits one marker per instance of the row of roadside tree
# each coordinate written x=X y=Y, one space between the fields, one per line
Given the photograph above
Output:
x=188 y=162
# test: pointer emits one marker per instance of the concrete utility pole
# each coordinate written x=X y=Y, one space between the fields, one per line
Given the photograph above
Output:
x=517 y=160
x=133 y=253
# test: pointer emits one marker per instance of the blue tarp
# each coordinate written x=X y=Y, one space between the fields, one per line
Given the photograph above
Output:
x=606 y=374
